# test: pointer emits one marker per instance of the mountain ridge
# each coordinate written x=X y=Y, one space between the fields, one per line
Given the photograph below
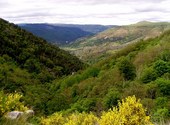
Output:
x=111 y=40
x=62 y=33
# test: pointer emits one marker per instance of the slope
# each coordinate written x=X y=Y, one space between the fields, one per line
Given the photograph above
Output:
x=141 y=69
x=115 y=38
x=56 y=34
x=29 y=63
x=92 y=28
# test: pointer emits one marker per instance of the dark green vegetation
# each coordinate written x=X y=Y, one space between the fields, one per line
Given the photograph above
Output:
x=62 y=33
x=141 y=69
x=107 y=42
x=28 y=64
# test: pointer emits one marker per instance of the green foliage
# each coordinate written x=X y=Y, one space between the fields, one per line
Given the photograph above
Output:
x=28 y=65
x=161 y=67
x=164 y=86
x=86 y=105
x=127 y=69
x=30 y=68
x=35 y=54
x=111 y=99
x=129 y=112
x=161 y=102
x=161 y=115
x=148 y=75
x=76 y=78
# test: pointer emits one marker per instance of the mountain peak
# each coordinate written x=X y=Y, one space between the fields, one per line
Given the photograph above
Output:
x=143 y=23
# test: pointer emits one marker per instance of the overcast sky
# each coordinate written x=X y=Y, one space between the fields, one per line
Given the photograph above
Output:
x=114 y=12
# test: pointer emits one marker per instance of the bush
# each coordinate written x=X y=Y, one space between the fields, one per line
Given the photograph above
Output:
x=127 y=69
x=161 y=102
x=148 y=75
x=129 y=112
x=164 y=86
x=161 y=67
x=111 y=99
x=10 y=102
x=160 y=115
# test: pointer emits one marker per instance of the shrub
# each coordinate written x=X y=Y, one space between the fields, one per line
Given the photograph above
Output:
x=161 y=102
x=129 y=112
x=148 y=75
x=127 y=69
x=161 y=67
x=164 y=86
x=10 y=102
x=55 y=119
x=160 y=115
x=111 y=99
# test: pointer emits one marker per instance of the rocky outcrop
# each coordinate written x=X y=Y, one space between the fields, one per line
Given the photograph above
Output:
x=18 y=114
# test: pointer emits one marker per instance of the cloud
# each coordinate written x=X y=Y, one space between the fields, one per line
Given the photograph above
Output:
x=84 y=11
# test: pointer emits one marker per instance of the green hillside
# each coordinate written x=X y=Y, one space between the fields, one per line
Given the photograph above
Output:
x=141 y=69
x=107 y=42
x=29 y=63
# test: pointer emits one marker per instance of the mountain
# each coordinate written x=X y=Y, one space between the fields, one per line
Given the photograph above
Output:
x=141 y=69
x=88 y=28
x=108 y=41
x=28 y=63
x=62 y=33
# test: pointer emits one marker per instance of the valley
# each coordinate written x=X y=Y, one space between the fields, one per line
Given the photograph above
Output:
x=126 y=67
x=62 y=34
x=103 y=44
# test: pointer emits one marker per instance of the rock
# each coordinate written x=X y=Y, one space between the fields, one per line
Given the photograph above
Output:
x=18 y=114
x=14 y=114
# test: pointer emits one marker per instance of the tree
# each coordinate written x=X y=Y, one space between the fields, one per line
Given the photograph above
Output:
x=127 y=69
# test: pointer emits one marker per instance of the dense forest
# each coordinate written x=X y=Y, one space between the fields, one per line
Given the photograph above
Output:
x=141 y=69
x=28 y=64
x=62 y=34
x=56 y=34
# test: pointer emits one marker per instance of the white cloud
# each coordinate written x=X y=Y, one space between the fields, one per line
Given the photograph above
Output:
x=84 y=11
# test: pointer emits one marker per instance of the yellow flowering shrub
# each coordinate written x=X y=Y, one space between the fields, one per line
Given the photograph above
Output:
x=129 y=112
x=81 y=119
x=111 y=117
x=55 y=119
x=73 y=119
x=10 y=102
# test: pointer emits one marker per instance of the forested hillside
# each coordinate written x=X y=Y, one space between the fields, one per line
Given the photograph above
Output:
x=140 y=70
x=113 y=39
x=29 y=63
x=63 y=34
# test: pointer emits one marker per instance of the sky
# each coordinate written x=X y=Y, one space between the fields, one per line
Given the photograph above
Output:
x=105 y=12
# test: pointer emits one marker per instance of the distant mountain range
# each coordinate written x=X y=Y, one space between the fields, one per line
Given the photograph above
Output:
x=63 y=33
x=108 y=41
